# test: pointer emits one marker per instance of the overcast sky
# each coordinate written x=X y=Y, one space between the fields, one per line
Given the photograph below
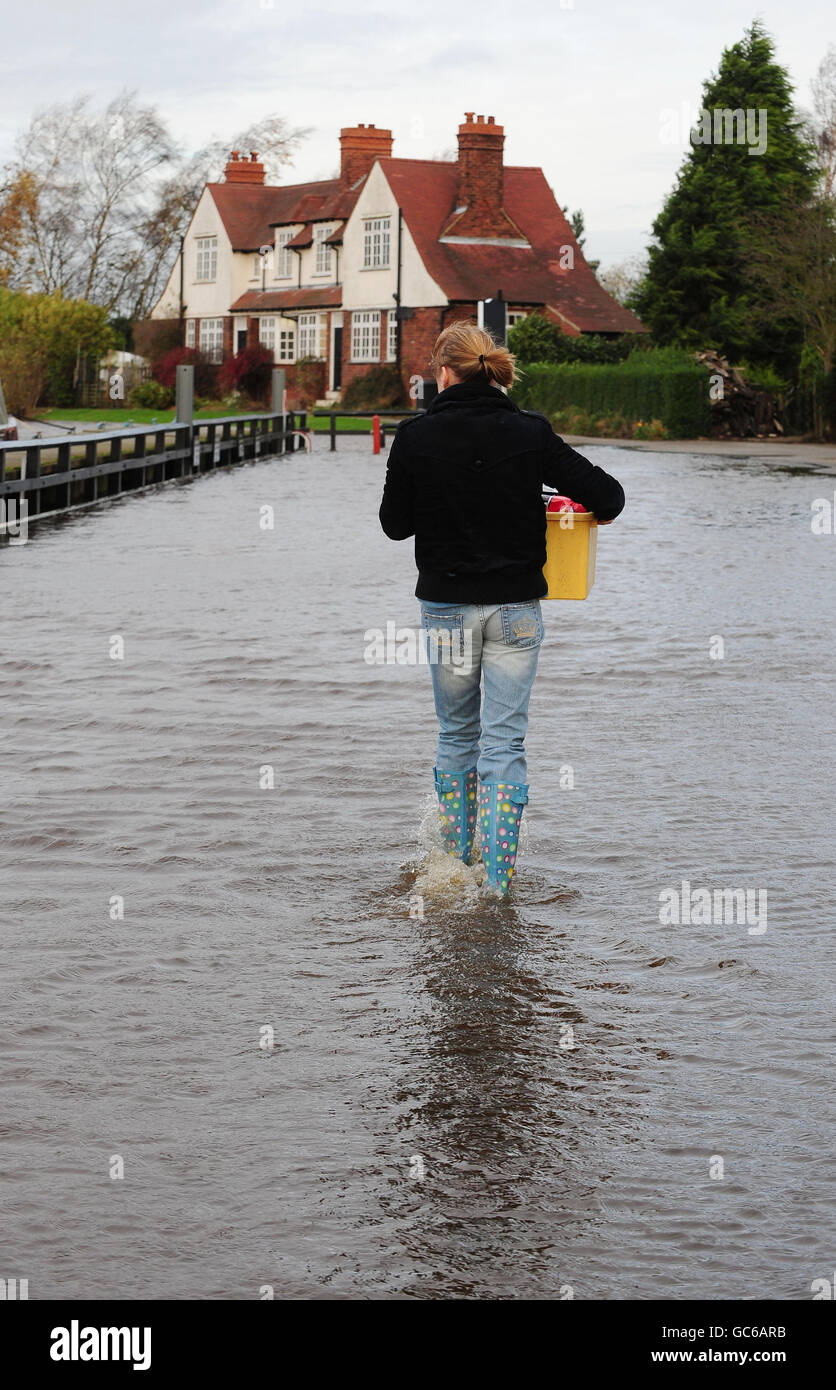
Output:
x=582 y=87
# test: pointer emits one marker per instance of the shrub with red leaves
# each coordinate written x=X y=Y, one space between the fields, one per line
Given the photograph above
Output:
x=205 y=372
x=249 y=372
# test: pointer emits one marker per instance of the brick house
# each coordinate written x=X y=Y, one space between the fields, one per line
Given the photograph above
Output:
x=320 y=270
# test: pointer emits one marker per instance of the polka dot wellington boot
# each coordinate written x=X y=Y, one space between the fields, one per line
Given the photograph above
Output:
x=500 y=812
x=457 y=810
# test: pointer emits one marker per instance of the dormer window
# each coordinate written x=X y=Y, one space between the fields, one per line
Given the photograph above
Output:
x=283 y=256
x=323 y=252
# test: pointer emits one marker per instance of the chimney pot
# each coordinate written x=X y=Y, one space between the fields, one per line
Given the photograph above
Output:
x=360 y=146
x=480 y=178
x=246 y=170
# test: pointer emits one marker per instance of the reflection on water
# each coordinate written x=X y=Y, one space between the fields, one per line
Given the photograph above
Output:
x=317 y=1086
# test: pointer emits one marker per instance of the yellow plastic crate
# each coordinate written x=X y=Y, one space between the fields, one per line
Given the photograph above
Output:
x=571 y=546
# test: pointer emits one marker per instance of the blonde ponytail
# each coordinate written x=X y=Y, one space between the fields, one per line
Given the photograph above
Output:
x=471 y=352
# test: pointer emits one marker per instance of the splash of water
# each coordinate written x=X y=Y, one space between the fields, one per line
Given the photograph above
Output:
x=441 y=877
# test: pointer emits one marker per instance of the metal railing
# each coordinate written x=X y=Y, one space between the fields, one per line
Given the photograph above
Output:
x=333 y=416
x=80 y=470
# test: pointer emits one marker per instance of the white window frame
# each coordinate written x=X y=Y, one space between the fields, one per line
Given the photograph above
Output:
x=377 y=242
x=365 y=335
x=324 y=257
x=309 y=335
x=267 y=333
x=212 y=339
x=206 y=267
x=516 y=316
x=286 y=345
x=189 y=333
x=284 y=258
x=391 y=335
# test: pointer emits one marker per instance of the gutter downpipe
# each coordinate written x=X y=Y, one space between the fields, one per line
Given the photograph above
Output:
x=398 y=289
x=182 y=305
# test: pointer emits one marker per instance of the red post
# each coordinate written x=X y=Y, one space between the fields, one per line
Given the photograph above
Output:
x=376 y=433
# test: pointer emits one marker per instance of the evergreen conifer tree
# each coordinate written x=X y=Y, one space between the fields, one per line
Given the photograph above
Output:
x=698 y=291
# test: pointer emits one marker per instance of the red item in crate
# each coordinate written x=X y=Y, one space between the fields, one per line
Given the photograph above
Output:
x=564 y=504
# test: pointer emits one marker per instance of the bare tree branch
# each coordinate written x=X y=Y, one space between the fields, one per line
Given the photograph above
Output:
x=108 y=197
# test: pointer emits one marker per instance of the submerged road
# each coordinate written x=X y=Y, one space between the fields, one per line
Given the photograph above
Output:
x=232 y=1058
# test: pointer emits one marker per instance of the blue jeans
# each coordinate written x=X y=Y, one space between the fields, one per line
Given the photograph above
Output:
x=466 y=641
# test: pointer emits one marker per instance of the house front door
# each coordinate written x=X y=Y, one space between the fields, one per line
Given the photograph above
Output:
x=240 y=340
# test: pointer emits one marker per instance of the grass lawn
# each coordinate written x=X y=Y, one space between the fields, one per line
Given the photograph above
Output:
x=137 y=416
x=346 y=424
x=321 y=424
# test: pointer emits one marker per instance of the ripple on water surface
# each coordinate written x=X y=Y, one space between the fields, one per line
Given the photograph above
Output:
x=459 y=1097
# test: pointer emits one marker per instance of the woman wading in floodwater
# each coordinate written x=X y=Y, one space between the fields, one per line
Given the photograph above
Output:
x=466 y=480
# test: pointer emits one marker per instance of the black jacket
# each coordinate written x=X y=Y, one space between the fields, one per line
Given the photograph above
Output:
x=466 y=480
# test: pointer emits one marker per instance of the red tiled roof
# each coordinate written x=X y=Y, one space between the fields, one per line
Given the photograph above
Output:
x=249 y=212
x=325 y=206
x=426 y=191
x=260 y=301
x=303 y=238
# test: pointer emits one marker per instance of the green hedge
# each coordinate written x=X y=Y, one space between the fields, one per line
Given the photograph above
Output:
x=661 y=385
x=536 y=339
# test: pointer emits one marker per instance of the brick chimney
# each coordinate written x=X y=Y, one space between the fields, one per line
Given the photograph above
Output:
x=480 y=181
x=239 y=169
x=360 y=146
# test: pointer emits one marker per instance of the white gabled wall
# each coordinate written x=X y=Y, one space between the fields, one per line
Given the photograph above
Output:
x=373 y=289
x=241 y=276
x=207 y=298
x=168 y=304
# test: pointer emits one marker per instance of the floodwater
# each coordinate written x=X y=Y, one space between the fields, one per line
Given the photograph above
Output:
x=556 y=1096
